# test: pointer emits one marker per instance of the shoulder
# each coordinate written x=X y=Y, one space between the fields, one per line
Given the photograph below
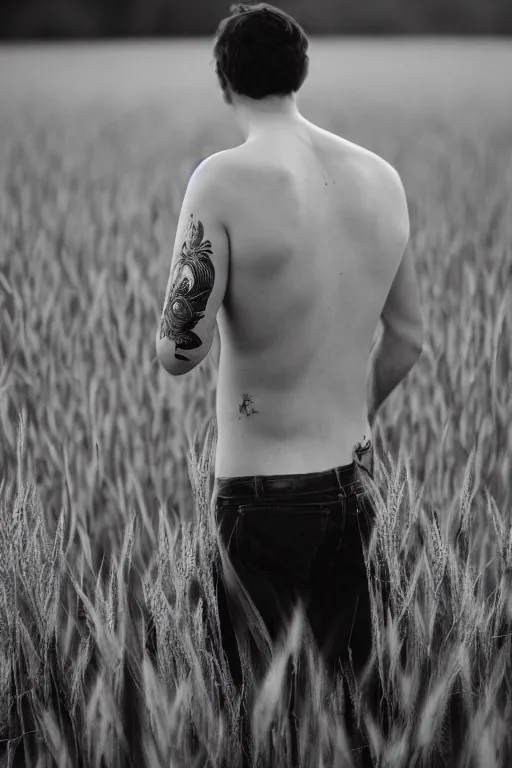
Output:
x=220 y=170
x=395 y=202
x=211 y=170
x=389 y=193
x=225 y=177
x=387 y=178
x=372 y=167
x=210 y=181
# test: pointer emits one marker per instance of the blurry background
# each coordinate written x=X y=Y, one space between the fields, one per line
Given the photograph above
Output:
x=54 y=19
x=97 y=143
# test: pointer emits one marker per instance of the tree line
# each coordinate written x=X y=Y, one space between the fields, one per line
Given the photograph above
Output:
x=79 y=19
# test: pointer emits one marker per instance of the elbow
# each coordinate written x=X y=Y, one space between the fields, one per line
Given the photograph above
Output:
x=417 y=346
x=417 y=337
x=165 y=365
x=409 y=346
x=164 y=362
x=413 y=338
x=174 y=367
x=410 y=340
x=184 y=362
x=166 y=356
x=413 y=350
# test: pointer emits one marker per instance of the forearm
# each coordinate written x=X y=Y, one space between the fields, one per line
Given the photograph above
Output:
x=391 y=359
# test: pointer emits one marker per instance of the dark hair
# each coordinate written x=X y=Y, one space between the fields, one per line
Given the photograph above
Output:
x=260 y=51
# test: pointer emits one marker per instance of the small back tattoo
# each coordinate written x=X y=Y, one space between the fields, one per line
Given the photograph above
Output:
x=246 y=408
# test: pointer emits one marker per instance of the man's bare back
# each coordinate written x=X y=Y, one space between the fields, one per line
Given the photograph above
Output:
x=312 y=257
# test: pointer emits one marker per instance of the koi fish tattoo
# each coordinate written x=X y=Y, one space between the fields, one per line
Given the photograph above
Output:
x=192 y=280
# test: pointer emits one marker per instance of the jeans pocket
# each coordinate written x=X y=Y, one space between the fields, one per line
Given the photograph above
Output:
x=281 y=540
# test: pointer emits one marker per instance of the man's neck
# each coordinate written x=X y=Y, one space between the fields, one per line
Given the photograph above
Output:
x=257 y=123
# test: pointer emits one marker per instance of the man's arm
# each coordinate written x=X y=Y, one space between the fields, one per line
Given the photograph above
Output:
x=401 y=341
x=199 y=272
x=391 y=359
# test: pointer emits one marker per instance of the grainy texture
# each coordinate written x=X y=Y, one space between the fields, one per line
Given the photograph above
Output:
x=96 y=148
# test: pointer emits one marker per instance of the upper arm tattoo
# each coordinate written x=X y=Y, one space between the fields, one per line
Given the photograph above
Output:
x=192 y=280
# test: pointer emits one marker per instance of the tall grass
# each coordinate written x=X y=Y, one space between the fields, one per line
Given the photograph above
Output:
x=110 y=651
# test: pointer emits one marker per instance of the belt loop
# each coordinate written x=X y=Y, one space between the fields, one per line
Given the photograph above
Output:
x=340 y=487
x=258 y=486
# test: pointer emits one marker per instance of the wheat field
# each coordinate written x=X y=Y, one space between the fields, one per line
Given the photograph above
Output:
x=109 y=652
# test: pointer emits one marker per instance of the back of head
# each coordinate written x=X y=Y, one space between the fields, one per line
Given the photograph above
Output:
x=260 y=51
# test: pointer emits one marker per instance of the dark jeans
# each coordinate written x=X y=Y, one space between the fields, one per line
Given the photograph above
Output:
x=301 y=537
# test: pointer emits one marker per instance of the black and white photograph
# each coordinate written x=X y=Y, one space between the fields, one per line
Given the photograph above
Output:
x=256 y=384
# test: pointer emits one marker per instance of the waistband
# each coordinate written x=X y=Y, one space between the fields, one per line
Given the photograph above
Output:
x=342 y=479
x=345 y=479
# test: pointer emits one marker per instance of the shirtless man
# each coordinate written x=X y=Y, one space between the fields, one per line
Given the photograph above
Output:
x=307 y=234
x=294 y=242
